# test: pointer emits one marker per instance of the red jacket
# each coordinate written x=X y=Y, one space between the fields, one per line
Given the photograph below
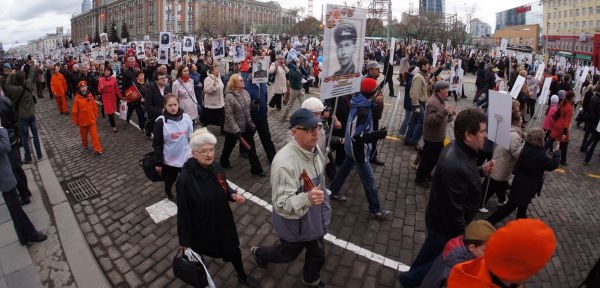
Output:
x=471 y=274
x=85 y=110
x=563 y=122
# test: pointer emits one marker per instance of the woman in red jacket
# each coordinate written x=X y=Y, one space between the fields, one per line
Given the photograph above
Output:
x=560 y=130
x=109 y=90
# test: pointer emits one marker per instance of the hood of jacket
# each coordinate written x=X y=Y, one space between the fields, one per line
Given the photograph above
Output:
x=473 y=274
x=456 y=252
x=359 y=100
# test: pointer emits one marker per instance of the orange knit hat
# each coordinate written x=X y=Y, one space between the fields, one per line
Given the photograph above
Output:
x=520 y=249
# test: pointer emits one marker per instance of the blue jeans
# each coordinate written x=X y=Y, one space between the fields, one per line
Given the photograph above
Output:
x=432 y=247
x=366 y=178
x=25 y=125
x=415 y=126
x=404 y=125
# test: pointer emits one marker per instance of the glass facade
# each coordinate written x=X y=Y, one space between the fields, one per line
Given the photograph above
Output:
x=528 y=14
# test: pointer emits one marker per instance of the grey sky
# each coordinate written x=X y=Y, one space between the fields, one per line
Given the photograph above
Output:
x=30 y=19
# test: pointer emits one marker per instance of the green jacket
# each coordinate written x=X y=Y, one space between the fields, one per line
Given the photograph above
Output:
x=295 y=78
x=23 y=101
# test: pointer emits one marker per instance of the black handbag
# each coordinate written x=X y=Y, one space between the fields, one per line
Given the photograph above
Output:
x=149 y=166
x=190 y=272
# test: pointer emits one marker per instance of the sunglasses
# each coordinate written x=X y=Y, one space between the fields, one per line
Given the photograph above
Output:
x=313 y=129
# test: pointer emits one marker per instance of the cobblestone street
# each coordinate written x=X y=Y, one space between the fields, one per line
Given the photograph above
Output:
x=133 y=251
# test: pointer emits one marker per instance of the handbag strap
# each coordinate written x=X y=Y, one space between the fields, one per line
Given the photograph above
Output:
x=244 y=109
x=187 y=92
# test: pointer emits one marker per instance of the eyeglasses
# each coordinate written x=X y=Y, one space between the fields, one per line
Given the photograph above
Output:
x=161 y=78
x=313 y=129
x=206 y=151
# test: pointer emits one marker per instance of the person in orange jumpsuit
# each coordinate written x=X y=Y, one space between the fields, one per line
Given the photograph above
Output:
x=84 y=114
x=58 y=86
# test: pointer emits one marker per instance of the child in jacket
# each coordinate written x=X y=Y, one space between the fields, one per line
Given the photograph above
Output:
x=84 y=114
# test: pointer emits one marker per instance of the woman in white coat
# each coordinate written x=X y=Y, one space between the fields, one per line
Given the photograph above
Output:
x=279 y=86
x=183 y=88
x=214 y=100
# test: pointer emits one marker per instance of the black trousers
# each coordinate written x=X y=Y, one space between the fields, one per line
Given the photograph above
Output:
x=23 y=225
x=171 y=174
x=262 y=127
x=231 y=141
x=506 y=210
x=137 y=107
x=289 y=251
x=15 y=161
x=430 y=155
x=111 y=120
x=374 y=145
x=390 y=82
x=276 y=101
x=496 y=187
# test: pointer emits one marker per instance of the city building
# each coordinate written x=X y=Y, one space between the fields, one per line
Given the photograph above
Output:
x=1 y=51
x=524 y=38
x=432 y=7
x=528 y=14
x=147 y=18
x=572 y=30
x=49 y=42
x=478 y=28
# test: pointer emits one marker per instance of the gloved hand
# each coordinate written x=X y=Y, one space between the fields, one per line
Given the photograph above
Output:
x=238 y=135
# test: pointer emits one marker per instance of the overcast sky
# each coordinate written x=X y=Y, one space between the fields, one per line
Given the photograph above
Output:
x=30 y=19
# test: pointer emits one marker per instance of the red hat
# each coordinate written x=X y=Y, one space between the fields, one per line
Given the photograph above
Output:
x=520 y=249
x=82 y=82
x=368 y=85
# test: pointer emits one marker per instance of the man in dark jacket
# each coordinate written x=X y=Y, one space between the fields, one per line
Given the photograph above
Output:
x=258 y=95
x=74 y=78
x=437 y=115
x=388 y=72
x=358 y=141
x=593 y=117
x=154 y=99
x=480 y=82
x=455 y=192
x=129 y=74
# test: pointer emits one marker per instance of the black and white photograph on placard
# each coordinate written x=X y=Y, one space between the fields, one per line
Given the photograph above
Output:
x=218 y=48
x=104 y=39
x=133 y=45
x=188 y=44
x=344 y=34
x=163 y=55
x=239 y=54
x=178 y=49
x=165 y=39
x=259 y=69
x=140 y=53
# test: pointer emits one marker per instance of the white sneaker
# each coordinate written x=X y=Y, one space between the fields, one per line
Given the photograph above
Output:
x=500 y=204
x=414 y=166
x=483 y=210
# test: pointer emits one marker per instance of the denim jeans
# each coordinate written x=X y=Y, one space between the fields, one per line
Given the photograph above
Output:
x=415 y=126
x=404 y=126
x=25 y=125
x=366 y=178
x=432 y=247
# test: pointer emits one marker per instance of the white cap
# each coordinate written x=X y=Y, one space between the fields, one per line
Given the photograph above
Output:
x=313 y=104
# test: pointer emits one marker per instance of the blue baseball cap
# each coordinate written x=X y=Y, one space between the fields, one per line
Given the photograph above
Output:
x=303 y=118
x=7 y=66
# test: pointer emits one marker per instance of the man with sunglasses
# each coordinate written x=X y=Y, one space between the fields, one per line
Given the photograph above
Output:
x=359 y=139
x=301 y=211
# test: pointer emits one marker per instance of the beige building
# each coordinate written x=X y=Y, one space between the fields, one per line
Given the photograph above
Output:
x=149 y=17
x=571 y=29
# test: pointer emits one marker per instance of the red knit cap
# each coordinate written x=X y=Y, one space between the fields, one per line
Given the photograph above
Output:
x=82 y=82
x=520 y=249
x=368 y=85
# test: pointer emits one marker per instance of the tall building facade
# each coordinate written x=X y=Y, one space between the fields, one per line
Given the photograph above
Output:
x=478 y=28
x=86 y=5
x=572 y=30
x=528 y=14
x=522 y=26
x=432 y=7
x=150 y=17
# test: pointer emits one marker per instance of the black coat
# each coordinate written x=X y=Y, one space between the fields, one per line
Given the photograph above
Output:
x=593 y=113
x=204 y=219
x=456 y=190
x=529 y=173
x=154 y=100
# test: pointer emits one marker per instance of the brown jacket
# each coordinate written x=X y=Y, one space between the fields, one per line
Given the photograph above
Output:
x=436 y=118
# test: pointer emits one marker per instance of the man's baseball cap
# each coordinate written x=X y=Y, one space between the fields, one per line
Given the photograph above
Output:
x=7 y=66
x=303 y=118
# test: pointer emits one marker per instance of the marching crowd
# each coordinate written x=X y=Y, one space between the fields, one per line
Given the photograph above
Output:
x=172 y=101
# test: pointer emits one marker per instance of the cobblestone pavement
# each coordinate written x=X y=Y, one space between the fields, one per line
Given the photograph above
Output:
x=133 y=251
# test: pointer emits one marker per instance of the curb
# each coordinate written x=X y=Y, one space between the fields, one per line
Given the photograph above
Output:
x=83 y=264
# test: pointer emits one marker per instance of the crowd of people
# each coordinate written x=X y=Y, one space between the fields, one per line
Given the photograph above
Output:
x=173 y=101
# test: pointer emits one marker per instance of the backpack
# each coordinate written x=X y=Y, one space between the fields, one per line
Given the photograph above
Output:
x=9 y=120
x=149 y=166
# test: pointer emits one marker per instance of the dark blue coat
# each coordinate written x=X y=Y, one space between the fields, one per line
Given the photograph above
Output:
x=259 y=102
x=529 y=173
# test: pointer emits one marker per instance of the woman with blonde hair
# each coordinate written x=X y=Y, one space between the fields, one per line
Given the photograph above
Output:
x=204 y=219
x=238 y=124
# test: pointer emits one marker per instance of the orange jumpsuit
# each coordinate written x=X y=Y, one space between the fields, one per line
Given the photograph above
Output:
x=58 y=85
x=84 y=114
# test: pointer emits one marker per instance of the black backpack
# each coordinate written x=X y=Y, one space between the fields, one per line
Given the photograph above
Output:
x=593 y=278
x=149 y=166
x=9 y=120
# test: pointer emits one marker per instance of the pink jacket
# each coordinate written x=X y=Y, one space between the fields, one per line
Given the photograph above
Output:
x=548 y=121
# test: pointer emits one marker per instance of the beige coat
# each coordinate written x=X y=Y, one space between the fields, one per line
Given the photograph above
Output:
x=506 y=159
x=419 y=91
x=279 y=86
x=213 y=92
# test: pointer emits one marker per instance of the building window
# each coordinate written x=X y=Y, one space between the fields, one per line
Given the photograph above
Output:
x=583 y=12
x=576 y=12
x=590 y=11
x=597 y=9
x=598 y=24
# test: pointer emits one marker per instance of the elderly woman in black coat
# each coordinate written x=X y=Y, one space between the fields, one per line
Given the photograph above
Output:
x=204 y=219
x=529 y=176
